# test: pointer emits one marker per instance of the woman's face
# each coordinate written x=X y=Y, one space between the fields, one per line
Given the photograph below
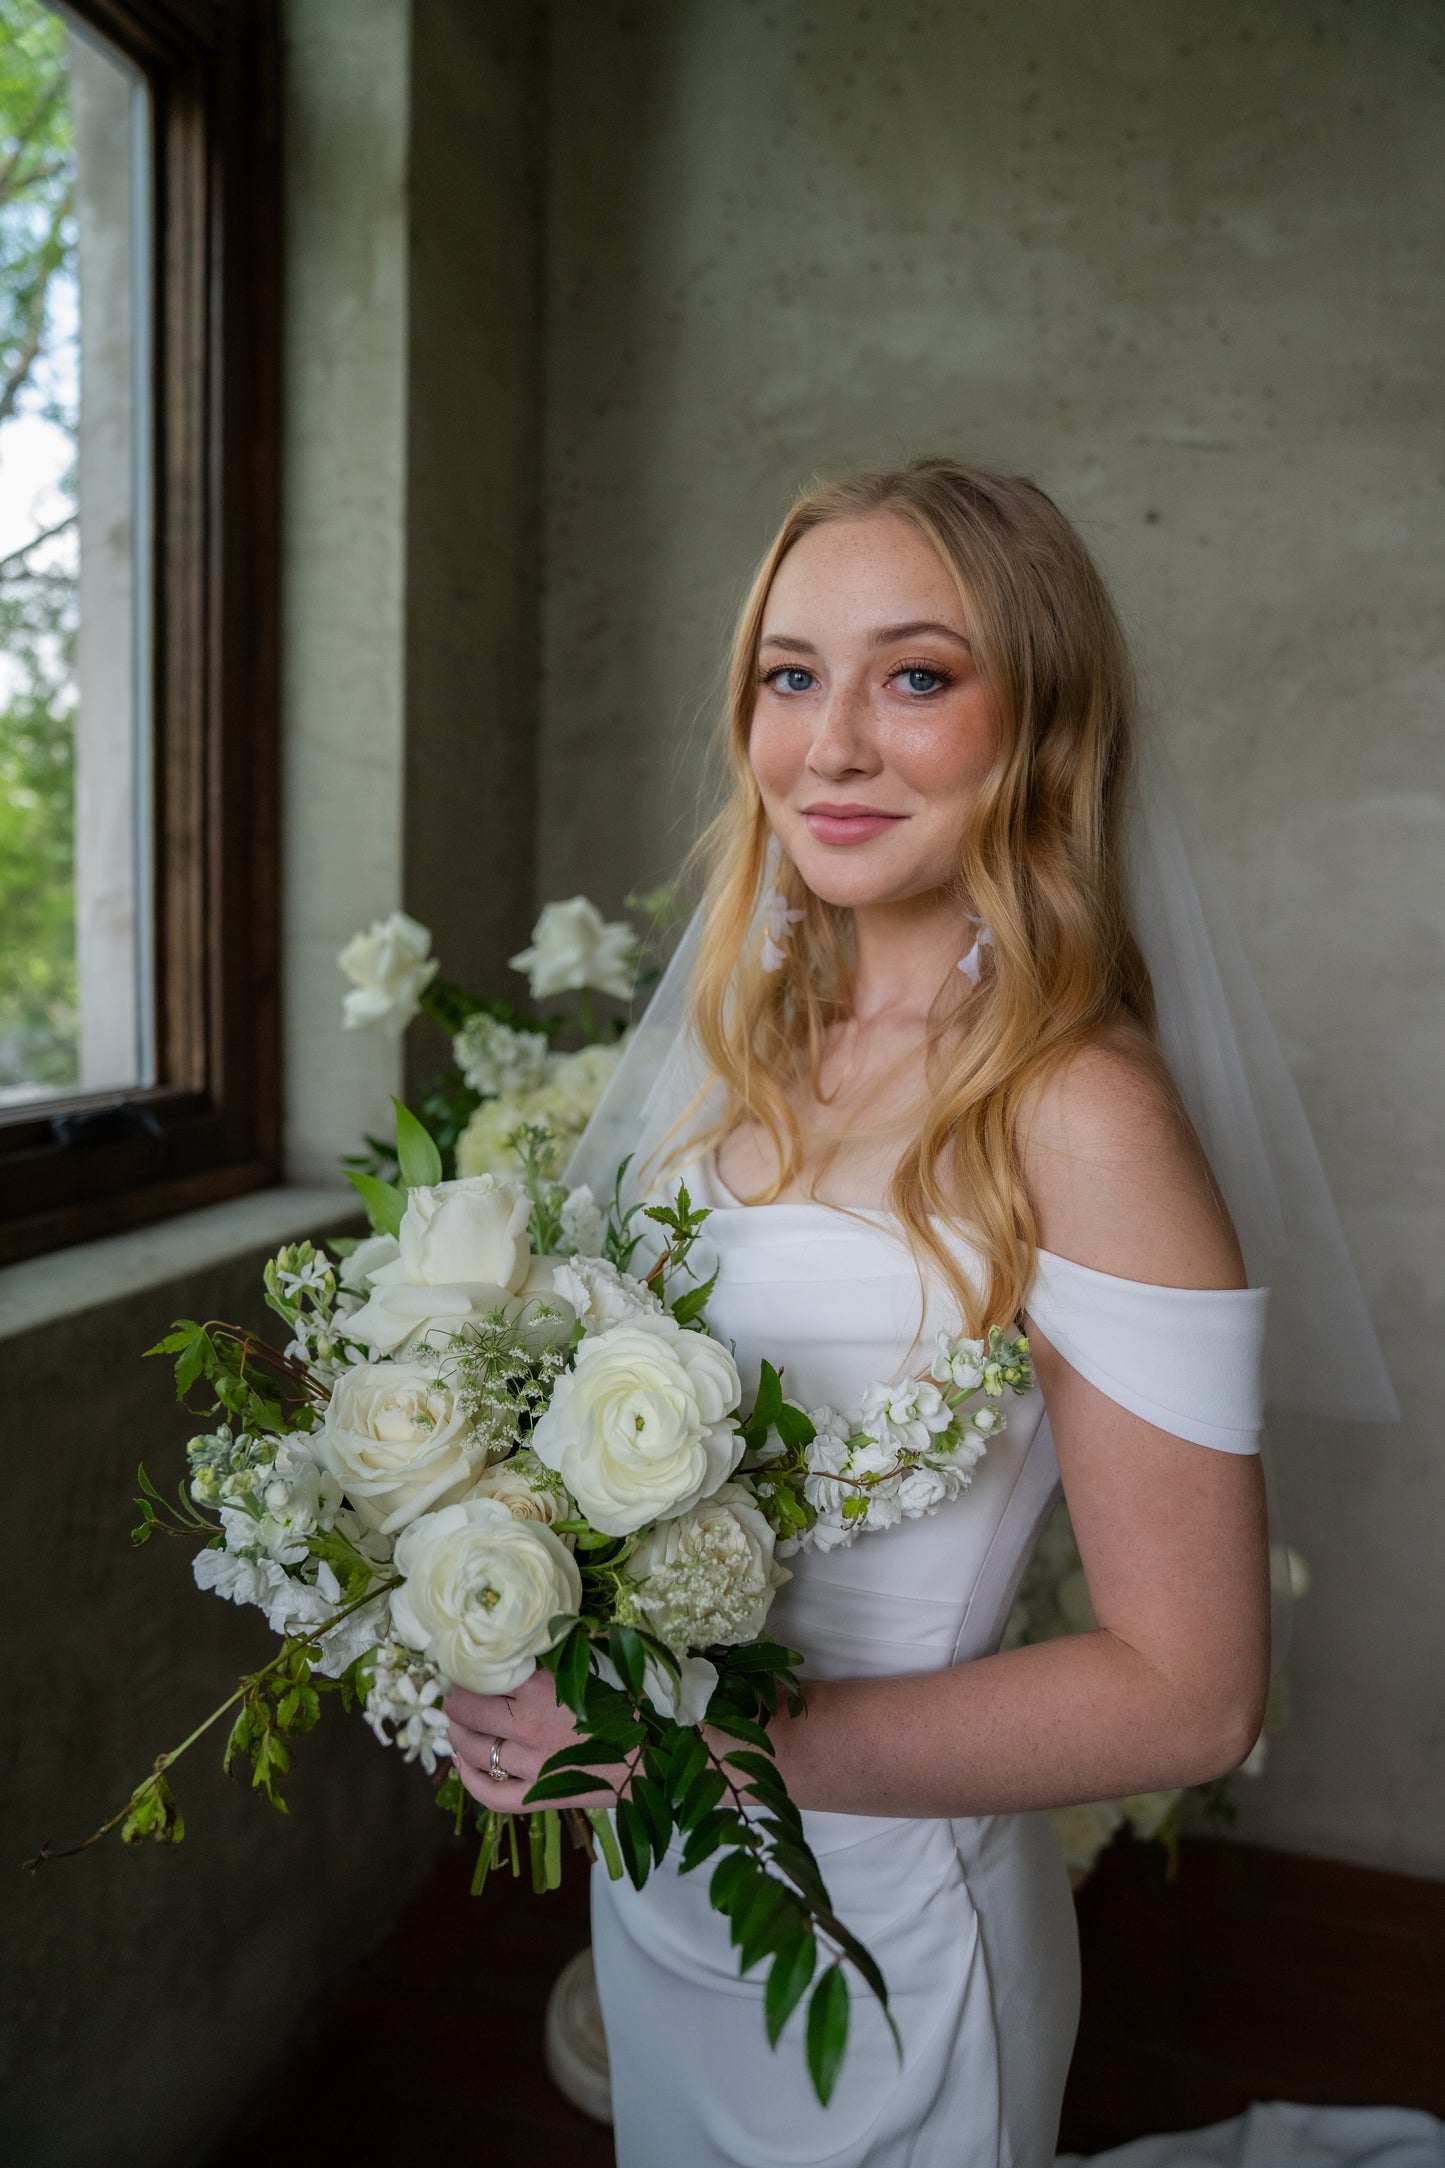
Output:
x=872 y=731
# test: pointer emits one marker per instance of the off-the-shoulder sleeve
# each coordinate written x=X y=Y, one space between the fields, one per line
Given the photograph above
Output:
x=1189 y=1360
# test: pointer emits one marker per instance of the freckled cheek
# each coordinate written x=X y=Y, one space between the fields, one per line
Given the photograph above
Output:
x=776 y=755
x=943 y=757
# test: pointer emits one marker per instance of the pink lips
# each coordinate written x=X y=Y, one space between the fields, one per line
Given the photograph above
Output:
x=848 y=823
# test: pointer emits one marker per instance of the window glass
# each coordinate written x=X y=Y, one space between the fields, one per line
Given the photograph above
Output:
x=75 y=419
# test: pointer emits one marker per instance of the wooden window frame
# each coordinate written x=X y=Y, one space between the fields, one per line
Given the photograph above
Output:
x=209 y=1128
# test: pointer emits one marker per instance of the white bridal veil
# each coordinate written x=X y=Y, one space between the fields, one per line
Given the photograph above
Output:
x=1323 y=1355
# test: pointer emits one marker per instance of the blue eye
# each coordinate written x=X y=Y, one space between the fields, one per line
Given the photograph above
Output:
x=788 y=678
x=931 y=679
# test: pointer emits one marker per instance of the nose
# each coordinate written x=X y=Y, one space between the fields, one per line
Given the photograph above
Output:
x=842 y=742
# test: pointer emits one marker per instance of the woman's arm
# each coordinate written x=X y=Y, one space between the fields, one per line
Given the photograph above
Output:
x=1170 y=1689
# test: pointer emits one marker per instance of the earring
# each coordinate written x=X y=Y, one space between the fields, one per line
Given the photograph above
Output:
x=777 y=918
x=971 y=965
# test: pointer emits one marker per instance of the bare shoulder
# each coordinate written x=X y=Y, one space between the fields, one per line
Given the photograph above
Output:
x=1117 y=1176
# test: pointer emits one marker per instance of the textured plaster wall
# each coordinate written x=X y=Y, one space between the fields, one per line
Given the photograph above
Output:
x=1181 y=263
x=347 y=131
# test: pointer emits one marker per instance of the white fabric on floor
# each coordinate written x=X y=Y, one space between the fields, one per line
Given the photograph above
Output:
x=1279 y=2134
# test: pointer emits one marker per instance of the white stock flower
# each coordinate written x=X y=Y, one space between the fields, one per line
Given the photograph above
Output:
x=583 y=1224
x=480 y=1592
x=463 y=1253
x=706 y=1578
x=600 y=1294
x=572 y=947
x=237 y=1578
x=398 y=1442
x=529 y=1491
x=639 y=1428
x=959 y=1362
x=389 y=966
x=407 y=1696
x=922 y=1490
x=905 y=1415
x=494 y=1058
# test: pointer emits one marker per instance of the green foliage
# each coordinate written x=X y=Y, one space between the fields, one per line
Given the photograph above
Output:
x=153 y=1816
x=418 y=1160
x=384 y=1204
x=670 y=1783
x=37 y=600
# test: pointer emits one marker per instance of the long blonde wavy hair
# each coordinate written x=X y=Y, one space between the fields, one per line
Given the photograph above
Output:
x=1039 y=863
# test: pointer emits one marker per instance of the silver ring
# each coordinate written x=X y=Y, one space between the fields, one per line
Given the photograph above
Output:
x=499 y=1774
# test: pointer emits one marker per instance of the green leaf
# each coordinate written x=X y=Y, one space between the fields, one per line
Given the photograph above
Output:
x=626 y=1649
x=416 y=1154
x=759 y=1917
x=793 y=1426
x=581 y=1754
x=688 y=1757
x=701 y=1796
x=788 y=1977
x=827 y=2032
x=742 y=1727
x=704 y=1840
x=384 y=1205
x=731 y=1879
x=695 y=1301
x=573 y=1666
x=769 y=1404
x=634 y=1841
x=656 y=1813
x=565 y=1785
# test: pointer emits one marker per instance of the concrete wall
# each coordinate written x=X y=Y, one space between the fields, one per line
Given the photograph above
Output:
x=146 y=1992
x=1182 y=264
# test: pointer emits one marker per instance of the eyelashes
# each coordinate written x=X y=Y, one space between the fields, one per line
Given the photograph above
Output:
x=944 y=678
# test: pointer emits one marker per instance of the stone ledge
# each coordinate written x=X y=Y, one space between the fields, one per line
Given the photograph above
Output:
x=42 y=1290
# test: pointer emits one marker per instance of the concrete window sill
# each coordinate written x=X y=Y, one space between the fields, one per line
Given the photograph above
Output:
x=43 y=1290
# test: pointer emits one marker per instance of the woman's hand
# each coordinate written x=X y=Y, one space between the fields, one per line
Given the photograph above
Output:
x=526 y=1726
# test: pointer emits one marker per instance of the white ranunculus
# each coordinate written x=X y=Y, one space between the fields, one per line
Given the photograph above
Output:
x=515 y=1482
x=389 y=966
x=572 y=947
x=639 y=1428
x=480 y=1592
x=398 y=1442
x=706 y=1578
x=600 y=1294
x=463 y=1253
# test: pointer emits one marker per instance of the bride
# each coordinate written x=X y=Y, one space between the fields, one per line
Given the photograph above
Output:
x=935 y=1094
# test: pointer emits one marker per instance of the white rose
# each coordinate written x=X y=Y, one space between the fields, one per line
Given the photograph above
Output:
x=355 y=1270
x=398 y=1442
x=389 y=966
x=462 y=1254
x=480 y=1592
x=706 y=1578
x=572 y=947
x=639 y=1427
x=600 y=1294
x=512 y=1482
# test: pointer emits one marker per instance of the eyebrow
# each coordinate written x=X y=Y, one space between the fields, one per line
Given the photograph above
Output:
x=885 y=636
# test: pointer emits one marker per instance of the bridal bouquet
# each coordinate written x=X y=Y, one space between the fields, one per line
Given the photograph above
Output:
x=489 y=1445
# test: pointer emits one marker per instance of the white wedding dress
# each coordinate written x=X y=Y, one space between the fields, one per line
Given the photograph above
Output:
x=972 y=1920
